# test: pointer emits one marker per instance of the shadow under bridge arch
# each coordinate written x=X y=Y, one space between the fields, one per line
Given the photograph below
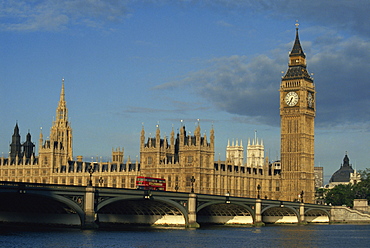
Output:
x=317 y=216
x=225 y=213
x=40 y=209
x=276 y=214
x=138 y=211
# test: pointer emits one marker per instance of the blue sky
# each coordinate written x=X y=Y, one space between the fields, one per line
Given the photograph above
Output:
x=133 y=63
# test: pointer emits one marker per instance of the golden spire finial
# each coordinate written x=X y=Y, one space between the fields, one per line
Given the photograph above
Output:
x=296 y=24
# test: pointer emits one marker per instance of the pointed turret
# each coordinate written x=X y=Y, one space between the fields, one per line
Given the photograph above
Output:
x=57 y=150
x=15 y=146
x=62 y=112
x=158 y=137
x=28 y=147
x=297 y=48
x=297 y=62
x=212 y=137
x=172 y=140
x=142 y=136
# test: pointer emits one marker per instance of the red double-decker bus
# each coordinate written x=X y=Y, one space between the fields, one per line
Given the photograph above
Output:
x=150 y=183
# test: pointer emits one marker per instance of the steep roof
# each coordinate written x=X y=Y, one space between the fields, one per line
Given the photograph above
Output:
x=297 y=48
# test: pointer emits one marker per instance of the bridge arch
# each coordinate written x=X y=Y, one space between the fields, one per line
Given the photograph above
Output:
x=313 y=215
x=278 y=214
x=137 y=210
x=41 y=208
x=220 y=212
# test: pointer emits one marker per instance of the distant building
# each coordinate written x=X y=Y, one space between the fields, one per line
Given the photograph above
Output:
x=319 y=177
x=255 y=153
x=345 y=175
x=235 y=153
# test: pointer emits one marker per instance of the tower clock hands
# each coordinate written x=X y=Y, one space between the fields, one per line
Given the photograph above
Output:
x=291 y=98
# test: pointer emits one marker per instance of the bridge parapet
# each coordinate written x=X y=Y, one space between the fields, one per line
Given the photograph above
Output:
x=189 y=209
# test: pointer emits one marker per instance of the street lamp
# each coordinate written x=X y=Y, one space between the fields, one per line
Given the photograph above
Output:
x=101 y=180
x=302 y=196
x=258 y=191
x=227 y=198
x=91 y=171
x=192 y=180
x=147 y=194
x=177 y=187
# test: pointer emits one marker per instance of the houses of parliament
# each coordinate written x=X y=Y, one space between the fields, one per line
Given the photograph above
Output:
x=183 y=157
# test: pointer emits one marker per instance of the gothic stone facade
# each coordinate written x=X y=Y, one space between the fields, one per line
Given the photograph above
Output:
x=184 y=156
x=297 y=114
x=177 y=159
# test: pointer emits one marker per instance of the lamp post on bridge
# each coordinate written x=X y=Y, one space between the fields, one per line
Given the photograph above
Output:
x=192 y=180
x=227 y=197
x=91 y=171
x=101 y=180
x=258 y=191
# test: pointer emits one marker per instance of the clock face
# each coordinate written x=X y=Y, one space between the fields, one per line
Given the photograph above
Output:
x=291 y=98
x=310 y=100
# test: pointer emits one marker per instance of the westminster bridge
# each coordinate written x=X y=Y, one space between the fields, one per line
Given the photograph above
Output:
x=93 y=207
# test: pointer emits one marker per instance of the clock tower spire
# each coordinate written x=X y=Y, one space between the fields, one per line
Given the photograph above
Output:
x=297 y=115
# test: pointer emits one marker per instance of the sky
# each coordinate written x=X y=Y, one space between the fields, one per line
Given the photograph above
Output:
x=133 y=64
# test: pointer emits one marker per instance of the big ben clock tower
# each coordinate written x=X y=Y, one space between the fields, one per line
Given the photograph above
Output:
x=297 y=116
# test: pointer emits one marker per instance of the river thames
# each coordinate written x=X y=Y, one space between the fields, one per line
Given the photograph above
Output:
x=216 y=236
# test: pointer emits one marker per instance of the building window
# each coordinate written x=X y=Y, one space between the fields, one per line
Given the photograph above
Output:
x=277 y=186
x=190 y=159
x=150 y=160
x=188 y=183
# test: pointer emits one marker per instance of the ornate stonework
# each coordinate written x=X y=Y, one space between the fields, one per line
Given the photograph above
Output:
x=182 y=156
x=297 y=114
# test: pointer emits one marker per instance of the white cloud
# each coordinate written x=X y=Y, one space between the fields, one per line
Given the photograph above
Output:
x=249 y=86
x=55 y=15
x=238 y=85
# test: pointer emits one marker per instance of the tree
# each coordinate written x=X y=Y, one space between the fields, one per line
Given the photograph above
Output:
x=362 y=189
x=344 y=194
x=341 y=194
x=365 y=174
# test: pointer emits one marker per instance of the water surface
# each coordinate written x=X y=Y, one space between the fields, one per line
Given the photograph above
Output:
x=216 y=236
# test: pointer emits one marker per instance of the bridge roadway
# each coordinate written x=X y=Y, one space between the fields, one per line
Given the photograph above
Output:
x=93 y=207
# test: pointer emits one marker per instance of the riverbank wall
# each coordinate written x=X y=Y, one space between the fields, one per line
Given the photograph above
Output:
x=343 y=214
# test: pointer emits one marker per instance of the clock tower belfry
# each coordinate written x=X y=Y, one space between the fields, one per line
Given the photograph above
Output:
x=297 y=116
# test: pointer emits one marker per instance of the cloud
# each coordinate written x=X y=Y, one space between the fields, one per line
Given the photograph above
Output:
x=249 y=86
x=342 y=81
x=237 y=85
x=23 y=15
x=55 y=15
x=352 y=16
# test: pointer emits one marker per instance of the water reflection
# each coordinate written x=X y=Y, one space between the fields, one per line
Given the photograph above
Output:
x=295 y=236
x=213 y=236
